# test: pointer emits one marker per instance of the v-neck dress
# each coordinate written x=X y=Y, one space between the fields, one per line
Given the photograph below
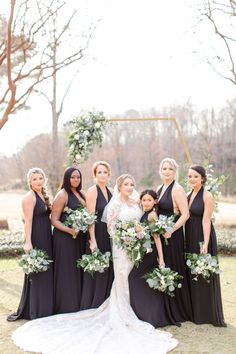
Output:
x=97 y=289
x=205 y=297
x=67 y=277
x=148 y=304
x=179 y=306
x=37 y=294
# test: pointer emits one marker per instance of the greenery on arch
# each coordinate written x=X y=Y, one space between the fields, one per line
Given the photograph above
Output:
x=85 y=131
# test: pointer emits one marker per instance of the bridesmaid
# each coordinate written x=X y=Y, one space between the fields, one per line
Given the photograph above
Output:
x=206 y=297
x=172 y=200
x=66 y=249
x=97 y=289
x=37 y=294
x=147 y=303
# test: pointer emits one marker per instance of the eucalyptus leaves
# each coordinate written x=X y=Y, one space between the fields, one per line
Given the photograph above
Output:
x=164 y=279
x=205 y=265
x=79 y=219
x=95 y=262
x=35 y=261
x=85 y=131
x=134 y=238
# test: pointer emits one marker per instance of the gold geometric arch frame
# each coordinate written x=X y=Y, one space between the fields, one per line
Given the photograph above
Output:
x=174 y=120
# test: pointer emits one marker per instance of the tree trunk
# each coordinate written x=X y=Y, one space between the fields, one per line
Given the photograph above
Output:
x=54 y=175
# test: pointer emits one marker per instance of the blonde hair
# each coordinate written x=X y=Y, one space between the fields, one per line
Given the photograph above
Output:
x=103 y=163
x=172 y=163
x=121 y=179
x=44 y=190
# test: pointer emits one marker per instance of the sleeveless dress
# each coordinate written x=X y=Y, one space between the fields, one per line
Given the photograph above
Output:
x=206 y=297
x=67 y=277
x=179 y=306
x=148 y=304
x=37 y=294
x=97 y=288
x=111 y=328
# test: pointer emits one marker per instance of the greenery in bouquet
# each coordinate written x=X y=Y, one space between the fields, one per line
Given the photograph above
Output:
x=85 y=131
x=134 y=238
x=204 y=265
x=94 y=262
x=164 y=279
x=79 y=219
x=35 y=261
x=162 y=225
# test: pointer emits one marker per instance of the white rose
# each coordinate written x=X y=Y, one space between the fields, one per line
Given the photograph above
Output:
x=76 y=136
x=86 y=133
x=78 y=156
x=97 y=125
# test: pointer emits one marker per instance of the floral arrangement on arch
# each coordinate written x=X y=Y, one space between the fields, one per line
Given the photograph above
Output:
x=85 y=131
x=213 y=184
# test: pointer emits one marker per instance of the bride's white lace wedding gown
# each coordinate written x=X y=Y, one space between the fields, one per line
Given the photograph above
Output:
x=113 y=328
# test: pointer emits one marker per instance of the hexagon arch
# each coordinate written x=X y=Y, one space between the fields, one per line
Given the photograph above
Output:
x=175 y=122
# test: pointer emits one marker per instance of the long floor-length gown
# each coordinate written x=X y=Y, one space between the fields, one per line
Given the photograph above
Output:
x=37 y=294
x=205 y=297
x=148 y=304
x=67 y=277
x=97 y=288
x=111 y=328
x=179 y=306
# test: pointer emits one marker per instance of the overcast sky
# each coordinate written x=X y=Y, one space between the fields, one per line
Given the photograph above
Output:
x=144 y=51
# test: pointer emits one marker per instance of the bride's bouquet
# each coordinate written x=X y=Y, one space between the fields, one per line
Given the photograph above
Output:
x=162 y=225
x=35 y=261
x=79 y=219
x=164 y=279
x=202 y=264
x=94 y=262
x=134 y=238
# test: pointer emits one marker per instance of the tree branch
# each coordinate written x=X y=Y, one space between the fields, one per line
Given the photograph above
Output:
x=11 y=84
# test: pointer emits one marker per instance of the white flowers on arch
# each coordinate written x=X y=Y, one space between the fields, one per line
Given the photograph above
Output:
x=85 y=131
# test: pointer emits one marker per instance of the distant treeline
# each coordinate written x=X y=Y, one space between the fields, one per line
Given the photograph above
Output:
x=138 y=148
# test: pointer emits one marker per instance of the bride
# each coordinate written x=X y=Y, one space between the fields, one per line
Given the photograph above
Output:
x=111 y=328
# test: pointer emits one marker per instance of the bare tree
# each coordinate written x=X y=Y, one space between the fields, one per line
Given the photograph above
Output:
x=30 y=22
x=219 y=17
x=57 y=35
x=47 y=24
x=7 y=54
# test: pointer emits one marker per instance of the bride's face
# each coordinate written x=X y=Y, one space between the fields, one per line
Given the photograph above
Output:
x=127 y=187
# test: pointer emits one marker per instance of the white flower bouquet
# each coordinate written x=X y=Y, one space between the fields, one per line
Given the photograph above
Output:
x=202 y=264
x=79 y=219
x=134 y=238
x=94 y=262
x=84 y=132
x=35 y=261
x=162 y=225
x=164 y=279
